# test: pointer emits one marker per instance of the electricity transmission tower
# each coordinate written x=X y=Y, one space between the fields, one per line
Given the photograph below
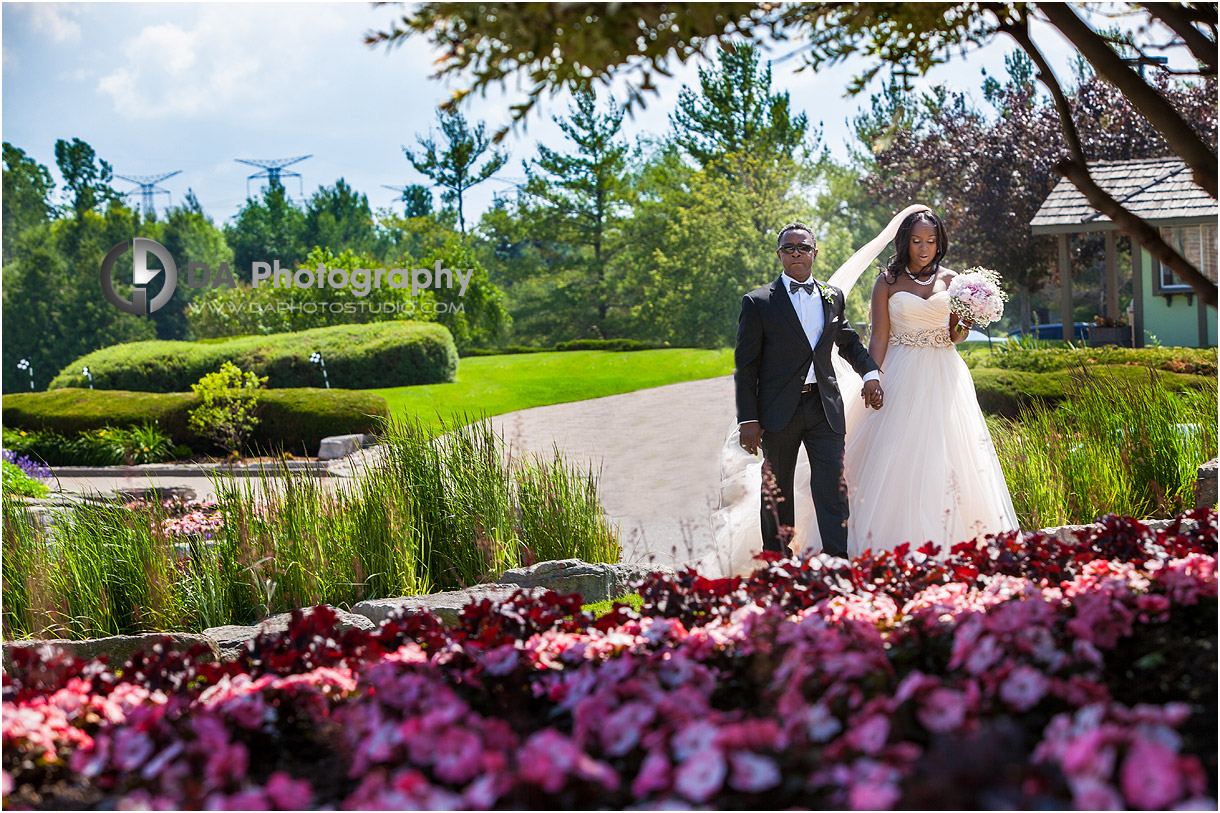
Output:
x=273 y=170
x=148 y=187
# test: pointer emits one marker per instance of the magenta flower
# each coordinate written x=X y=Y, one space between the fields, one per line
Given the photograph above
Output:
x=701 y=775
x=1024 y=687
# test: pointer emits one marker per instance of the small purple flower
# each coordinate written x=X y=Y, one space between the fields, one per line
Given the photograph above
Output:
x=32 y=468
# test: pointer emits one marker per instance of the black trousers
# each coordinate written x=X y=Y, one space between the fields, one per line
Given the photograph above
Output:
x=825 y=449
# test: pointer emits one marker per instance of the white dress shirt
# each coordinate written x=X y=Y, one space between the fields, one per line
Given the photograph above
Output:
x=813 y=320
x=809 y=310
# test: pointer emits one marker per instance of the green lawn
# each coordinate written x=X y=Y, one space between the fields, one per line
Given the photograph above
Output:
x=495 y=385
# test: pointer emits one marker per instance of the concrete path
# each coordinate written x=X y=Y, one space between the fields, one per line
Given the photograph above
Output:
x=658 y=451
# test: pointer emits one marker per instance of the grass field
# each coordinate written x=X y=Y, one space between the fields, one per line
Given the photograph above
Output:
x=494 y=385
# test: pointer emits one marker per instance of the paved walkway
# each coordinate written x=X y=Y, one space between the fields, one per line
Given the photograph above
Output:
x=658 y=451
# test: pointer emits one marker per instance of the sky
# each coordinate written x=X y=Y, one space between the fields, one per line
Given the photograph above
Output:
x=158 y=87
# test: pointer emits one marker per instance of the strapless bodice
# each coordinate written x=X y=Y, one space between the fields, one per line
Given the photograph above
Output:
x=920 y=322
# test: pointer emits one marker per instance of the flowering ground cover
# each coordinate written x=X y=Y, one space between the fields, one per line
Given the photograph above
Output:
x=1021 y=672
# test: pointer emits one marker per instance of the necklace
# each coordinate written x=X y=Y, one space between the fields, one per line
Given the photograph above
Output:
x=918 y=281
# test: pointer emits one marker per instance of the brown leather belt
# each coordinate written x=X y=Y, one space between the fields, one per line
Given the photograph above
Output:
x=810 y=387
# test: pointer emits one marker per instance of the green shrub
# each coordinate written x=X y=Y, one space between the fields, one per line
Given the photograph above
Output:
x=382 y=354
x=16 y=481
x=104 y=446
x=293 y=420
x=1013 y=356
x=613 y=345
x=1005 y=392
x=608 y=344
x=228 y=405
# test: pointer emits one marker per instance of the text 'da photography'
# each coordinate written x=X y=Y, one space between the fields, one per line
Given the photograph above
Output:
x=609 y=406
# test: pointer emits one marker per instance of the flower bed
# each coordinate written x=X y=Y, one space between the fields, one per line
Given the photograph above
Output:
x=1021 y=673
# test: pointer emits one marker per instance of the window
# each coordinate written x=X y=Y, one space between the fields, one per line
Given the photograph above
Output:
x=1198 y=245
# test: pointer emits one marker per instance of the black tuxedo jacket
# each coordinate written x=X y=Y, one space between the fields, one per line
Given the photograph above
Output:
x=773 y=356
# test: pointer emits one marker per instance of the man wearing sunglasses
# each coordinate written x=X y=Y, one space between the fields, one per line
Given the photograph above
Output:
x=787 y=395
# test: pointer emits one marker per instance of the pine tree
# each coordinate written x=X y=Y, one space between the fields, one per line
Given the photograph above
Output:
x=579 y=195
x=452 y=166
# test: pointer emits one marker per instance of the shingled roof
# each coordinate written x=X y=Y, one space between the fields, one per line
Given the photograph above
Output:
x=1156 y=189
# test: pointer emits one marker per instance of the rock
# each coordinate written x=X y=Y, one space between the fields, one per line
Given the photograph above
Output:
x=1205 y=486
x=118 y=648
x=333 y=448
x=594 y=582
x=232 y=638
x=445 y=606
x=157 y=494
x=1065 y=533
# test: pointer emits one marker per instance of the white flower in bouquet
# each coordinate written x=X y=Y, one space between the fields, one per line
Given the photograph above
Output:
x=975 y=294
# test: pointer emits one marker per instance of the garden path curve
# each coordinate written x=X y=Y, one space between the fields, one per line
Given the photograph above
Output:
x=659 y=454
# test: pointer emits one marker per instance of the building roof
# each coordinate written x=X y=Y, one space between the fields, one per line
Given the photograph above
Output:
x=1156 y=189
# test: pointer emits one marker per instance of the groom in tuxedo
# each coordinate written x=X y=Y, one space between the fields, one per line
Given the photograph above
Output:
x=787 y=394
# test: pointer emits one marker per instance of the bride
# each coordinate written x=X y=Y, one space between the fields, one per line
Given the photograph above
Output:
x=923 y=468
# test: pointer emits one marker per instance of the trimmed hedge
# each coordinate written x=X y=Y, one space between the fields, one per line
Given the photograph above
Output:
x=292 y=420
x=1191 y=360
x=1003 y=392
x=612 y=345
x=370 y=356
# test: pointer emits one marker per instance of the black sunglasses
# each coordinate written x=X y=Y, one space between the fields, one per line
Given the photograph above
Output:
x=804 y=248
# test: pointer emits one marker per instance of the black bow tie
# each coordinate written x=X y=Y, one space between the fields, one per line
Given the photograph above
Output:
x=807 y=287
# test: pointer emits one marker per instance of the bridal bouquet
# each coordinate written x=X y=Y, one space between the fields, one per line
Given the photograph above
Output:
x=975 y=294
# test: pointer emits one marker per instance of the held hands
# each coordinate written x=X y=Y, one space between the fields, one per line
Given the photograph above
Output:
x=872 y=394
x=751 y=436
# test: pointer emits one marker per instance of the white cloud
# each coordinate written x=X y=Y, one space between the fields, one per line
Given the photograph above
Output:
x=170 y=71
x=51 y=18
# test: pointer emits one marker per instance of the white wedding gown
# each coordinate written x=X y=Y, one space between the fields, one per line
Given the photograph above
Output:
x=923 y=468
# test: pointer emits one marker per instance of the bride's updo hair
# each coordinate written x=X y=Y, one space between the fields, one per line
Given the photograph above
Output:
x=901 y=257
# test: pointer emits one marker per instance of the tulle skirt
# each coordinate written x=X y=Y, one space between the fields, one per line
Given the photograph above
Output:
x=923 y=468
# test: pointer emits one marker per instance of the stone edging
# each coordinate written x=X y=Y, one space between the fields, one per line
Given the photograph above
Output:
x=594 y=582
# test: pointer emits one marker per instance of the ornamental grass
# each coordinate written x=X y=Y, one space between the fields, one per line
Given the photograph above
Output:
x=1132 y=448
x=434 y=512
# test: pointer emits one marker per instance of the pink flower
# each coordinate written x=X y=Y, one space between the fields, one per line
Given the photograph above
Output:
x=546 y=758
x=457 y=755
x=1024 y=687
x=820 y=725
x=131 y=749
x=753 y=773
x=1095 y=794
x=228 y=762
x=287 y=793
x=621 y=729
x=1150 y=776
x=653 y=775
x=502 y=660
x=942 y=710
x=701 y=775
x=870 y=735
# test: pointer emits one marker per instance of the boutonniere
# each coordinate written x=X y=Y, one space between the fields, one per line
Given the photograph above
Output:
x=828 y=294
